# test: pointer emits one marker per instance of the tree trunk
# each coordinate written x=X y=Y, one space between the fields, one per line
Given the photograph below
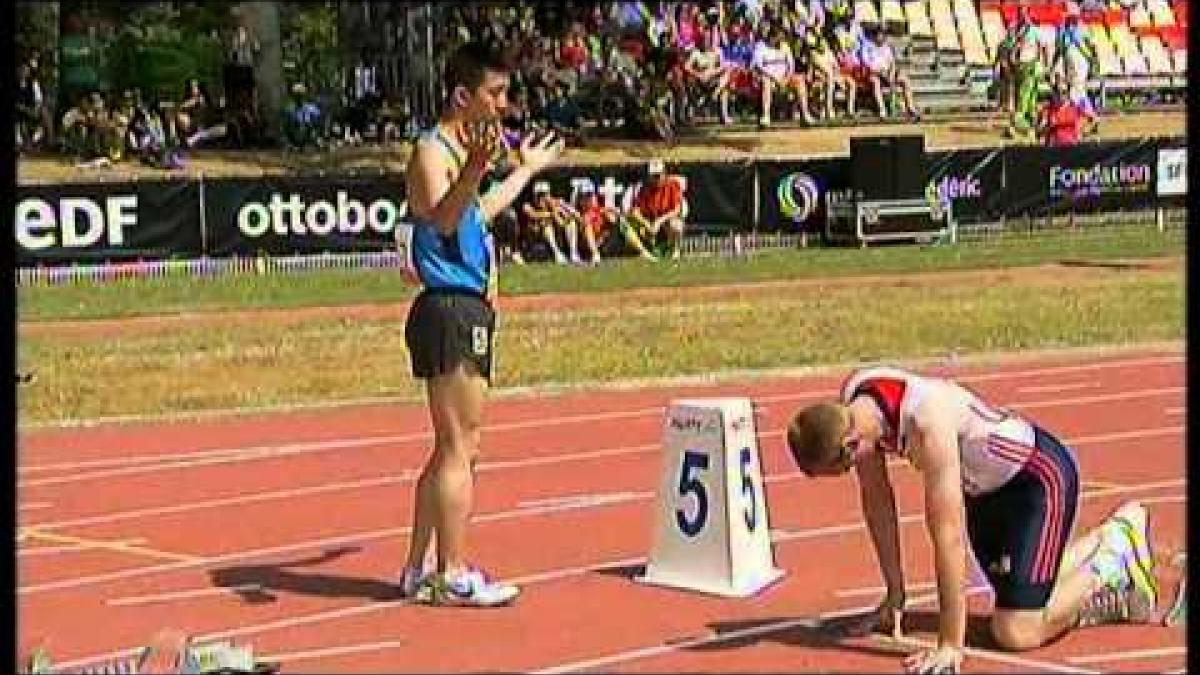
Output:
x=262 y=18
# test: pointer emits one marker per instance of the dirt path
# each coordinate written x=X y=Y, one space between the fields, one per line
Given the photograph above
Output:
x=562 y=302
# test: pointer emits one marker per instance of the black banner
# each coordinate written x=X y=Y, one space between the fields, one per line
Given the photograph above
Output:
x=793 y=195
x=1084 y=178
x=971 y=181
x=719 y=197
x=89 y=223
x=281 y=215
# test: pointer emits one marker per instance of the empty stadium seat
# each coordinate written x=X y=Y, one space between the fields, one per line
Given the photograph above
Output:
x=944 y=33
x=993 y=30
x=970 y=34
x=1181 y=12
x=1135 y=65
x=1122 y=39
x=1139 y=16
x=864 y=11
x=1161 y=13
x=1157 y=58
x=918 y=19
x=892 y=13
x=1109 y=63
x=1179 y=62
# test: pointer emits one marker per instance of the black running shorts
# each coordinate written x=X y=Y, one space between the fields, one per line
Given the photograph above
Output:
x=447 y=327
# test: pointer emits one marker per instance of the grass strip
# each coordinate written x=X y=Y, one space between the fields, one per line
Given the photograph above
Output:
x=200 y=367
x=184 y=294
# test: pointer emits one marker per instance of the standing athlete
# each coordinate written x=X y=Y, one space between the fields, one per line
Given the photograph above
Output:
x=450 y=327
x=1018 y=486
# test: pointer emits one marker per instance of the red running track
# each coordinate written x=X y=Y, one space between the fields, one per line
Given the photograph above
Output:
x=284 y=531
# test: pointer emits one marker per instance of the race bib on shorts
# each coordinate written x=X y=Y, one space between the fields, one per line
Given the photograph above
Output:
x=404 y=251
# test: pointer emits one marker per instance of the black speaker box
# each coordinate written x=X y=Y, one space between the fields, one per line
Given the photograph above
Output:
x=888 y=167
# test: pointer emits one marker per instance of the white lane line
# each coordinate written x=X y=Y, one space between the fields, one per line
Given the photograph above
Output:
x=1176 y=410
x=1053 y=388
x=283 y=449
x=1129 y=656
x=330 y=651
x=411 y=474
x=182 y=595
x=879 y=590
x=586 y=500
x=605 y=662
x=268 y=452
x=259 y=451
x=538 y=577
x=398 y=531
x=1164 y=499
x=33 y=506
x=76 y=548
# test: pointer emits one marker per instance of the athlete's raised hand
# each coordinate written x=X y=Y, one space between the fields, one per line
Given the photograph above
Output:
x=539 y=151
x=482 y=142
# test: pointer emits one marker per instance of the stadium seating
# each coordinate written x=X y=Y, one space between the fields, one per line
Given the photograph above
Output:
x=974 y=51
x=1161 y=13
x=1157 y=58
x=945 y=35
x=864 y=11
x=917 y=19
x=993 y=29
x=1110 y=64
x=1139 y=16
x=892 y=13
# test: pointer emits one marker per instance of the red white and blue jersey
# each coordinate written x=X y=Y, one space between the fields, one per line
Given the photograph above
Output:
x=994 y=444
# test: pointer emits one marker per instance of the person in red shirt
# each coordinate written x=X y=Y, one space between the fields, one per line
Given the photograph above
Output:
x=656 y=217
x=1061 y=121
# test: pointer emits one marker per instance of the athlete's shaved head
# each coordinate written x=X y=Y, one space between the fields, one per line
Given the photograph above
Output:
x=815 y=436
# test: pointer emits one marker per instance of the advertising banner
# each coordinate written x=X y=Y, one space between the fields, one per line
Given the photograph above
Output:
x=279 y=215
x=97 y=222
x=793 y=195
x=970 y=181
x=1083 y=178
x=718 y=197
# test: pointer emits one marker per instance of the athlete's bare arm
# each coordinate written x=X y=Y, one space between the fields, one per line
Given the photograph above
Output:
x=432 y=197
x=879 y=510
x=935 y=454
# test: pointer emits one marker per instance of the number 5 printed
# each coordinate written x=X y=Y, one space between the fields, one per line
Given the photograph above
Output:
x=690 y=483
x=751 y=508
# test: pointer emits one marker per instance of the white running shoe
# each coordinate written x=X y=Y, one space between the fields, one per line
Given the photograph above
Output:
x=470 y=588
x=1139 y=561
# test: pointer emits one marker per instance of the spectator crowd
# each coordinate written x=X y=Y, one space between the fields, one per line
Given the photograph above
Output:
x=634 y=69
x=650 y=67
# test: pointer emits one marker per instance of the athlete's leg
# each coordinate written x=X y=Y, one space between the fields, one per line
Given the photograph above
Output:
x=631 y=225
x=589 y=240
x=570 y=226
x=1100 y=578
x=546 y=228
x=456 y=408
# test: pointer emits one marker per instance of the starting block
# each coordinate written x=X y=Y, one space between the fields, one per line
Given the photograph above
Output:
x=711 y=532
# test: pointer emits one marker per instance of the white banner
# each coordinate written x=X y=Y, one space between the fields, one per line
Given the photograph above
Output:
x=1172 y=171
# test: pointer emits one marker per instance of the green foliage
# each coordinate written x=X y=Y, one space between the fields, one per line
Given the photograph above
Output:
x=310 y=46
x=36 y=28
x=159 y=46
